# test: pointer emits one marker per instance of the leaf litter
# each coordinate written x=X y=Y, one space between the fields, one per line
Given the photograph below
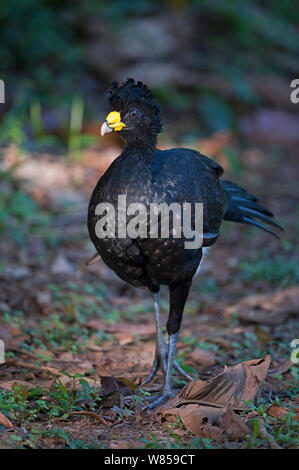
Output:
x=209 y=408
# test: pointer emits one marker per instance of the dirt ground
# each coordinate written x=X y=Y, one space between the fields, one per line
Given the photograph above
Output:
x=65 y=325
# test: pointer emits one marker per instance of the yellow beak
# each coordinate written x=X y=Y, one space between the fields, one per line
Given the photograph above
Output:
x=112 y=123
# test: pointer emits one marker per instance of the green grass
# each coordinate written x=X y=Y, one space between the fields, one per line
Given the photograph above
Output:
x=274 y=270
x=175 y=442
x=20 y=215
x=28 y=404
x=63 y=439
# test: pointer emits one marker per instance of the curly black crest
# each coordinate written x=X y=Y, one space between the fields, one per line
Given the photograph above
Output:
x=131 y=92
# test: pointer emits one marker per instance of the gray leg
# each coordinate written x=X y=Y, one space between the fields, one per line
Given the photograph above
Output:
x=167 y=389
x=178 y=296
x=161 y=353
x=161 y=346
x=166 y=392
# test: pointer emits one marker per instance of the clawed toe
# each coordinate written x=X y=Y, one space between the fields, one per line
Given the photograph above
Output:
x=157 y=365
x=153 y=372
x=181 y=371
x=157 y=401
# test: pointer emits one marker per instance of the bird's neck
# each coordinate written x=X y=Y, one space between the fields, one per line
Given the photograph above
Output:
x=144 y=147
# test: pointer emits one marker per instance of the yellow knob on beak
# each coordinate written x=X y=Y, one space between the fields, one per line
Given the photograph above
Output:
x=112 y=123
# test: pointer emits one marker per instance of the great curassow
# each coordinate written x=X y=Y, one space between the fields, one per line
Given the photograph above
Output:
x=144 y=174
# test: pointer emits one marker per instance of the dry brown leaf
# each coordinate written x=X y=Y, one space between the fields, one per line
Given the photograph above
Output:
x=8 y=384
x=267 y=309
x=166 y=414
x=200 y=419
x=132 y=386
x=232 y=425
x=50 y=370
x=112 y=384
x=203 y=414
x=234 y=386
x=203 y=358
x=277 y=411
x=11 y=336
x=208 y=421
x=92 y=414
x=206 y=408
x=5 y=422
x=65 y=357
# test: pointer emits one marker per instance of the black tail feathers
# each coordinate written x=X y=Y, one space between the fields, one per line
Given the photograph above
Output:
x=242 y=207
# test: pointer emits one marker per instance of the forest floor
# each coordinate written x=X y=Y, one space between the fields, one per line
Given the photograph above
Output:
x=66 y=325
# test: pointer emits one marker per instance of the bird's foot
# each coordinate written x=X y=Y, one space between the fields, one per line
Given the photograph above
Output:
x=161 y=358
x=181 y=371
x=160 y=361
x=156 y=401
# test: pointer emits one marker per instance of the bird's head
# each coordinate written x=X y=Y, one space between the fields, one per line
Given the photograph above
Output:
x=135 y=113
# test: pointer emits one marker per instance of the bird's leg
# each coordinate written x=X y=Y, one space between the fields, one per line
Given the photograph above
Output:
x=178 y=296
x=161 y=352
x=161 y=347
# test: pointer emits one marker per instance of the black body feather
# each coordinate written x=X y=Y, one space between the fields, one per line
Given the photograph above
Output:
x=243 y=207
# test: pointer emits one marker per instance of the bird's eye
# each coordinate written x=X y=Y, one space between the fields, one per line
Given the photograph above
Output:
x=133 y=113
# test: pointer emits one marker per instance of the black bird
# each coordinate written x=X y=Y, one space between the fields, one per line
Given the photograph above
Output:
x=145 y=174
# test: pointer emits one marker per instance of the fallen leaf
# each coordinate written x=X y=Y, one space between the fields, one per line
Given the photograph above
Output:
x=65 y=357
x=92 y=414
x=9 y=384
x=267 y=309
x=206 y=407
x=214 y=422
x=114 y=389
x=200 y=419
x=132 y=386
x=277 y=411
x=75 y=383
x=11 y=336
x=203 y=358
x=50 y=370
x=112 y=384
x=232 y=425
x=5 y=422
x=234 y=386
